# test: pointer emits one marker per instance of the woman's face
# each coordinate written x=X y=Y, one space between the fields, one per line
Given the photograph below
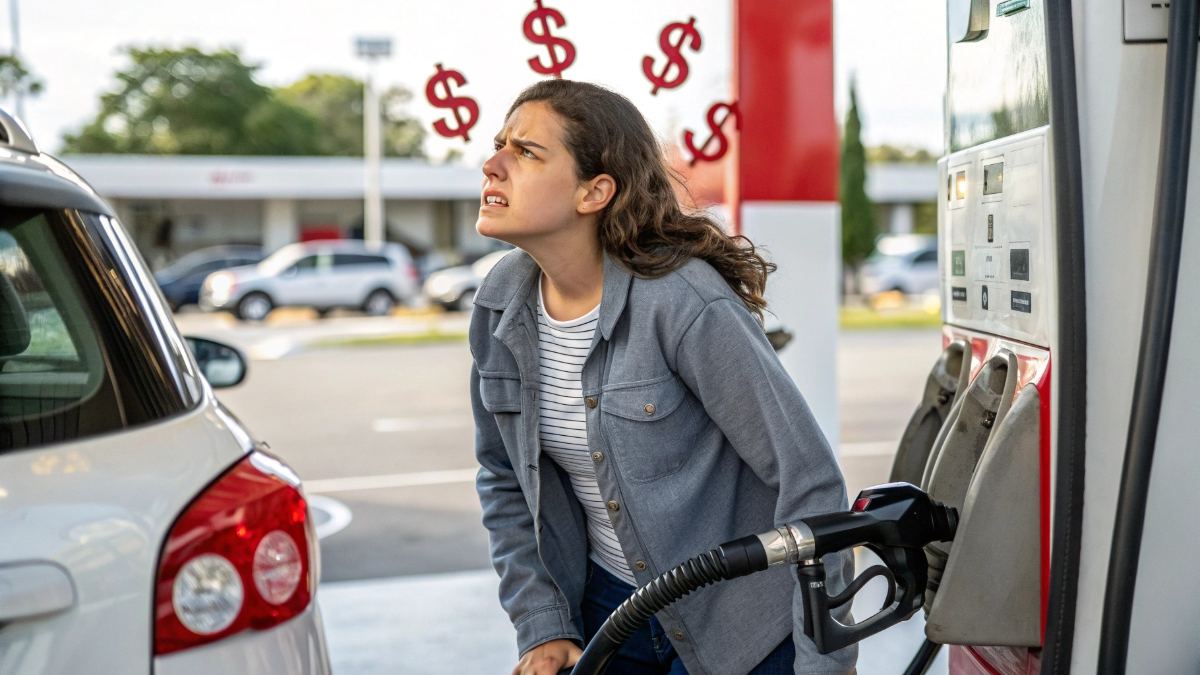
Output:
x=530 y=188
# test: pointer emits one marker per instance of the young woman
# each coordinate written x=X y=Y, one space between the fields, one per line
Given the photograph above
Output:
x=629 y=410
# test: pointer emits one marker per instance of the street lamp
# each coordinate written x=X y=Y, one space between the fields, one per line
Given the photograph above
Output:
x=18 y=93
x=372 y=49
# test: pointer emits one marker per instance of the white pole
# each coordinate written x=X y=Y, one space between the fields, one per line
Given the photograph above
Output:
x=372 y=149
x=18 y=92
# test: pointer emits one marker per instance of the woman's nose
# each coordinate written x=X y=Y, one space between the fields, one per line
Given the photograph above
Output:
x=493 y=167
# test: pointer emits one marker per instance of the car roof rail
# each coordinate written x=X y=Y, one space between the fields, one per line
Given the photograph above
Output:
x=15 y=135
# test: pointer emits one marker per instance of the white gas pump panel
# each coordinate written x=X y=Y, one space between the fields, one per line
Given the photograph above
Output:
x=1146 y=20
x=994 y=238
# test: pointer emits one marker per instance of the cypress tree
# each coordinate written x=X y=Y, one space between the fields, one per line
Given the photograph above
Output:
x=858 y=217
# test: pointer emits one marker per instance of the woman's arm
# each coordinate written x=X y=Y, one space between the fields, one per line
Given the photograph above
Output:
x=534 y=605
x=725 y=359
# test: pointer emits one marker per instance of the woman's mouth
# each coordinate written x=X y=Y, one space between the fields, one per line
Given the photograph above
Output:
x=495 y=200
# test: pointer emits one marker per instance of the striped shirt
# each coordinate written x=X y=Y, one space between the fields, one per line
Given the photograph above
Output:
x=562 y=349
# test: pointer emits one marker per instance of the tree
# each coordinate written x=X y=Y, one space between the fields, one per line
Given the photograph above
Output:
x=858 y=219
x=191 y=102
x=14 y=77
x=335 y=102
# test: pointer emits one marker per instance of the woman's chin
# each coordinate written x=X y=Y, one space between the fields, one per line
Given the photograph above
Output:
x=490 y=226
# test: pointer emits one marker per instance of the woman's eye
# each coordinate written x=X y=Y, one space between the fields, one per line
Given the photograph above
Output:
x=528 y=153
x=497 y=145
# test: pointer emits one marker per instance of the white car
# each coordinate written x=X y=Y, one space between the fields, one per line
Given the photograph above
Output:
x=323 y=275
x=904 y=263
x=454 y=287
x=142 y=528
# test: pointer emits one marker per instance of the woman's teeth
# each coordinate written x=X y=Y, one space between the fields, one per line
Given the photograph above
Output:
x=497 y=200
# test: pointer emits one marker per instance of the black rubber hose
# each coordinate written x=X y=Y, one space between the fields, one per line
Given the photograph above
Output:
x=727 y=561
x=1170 y=201
x=923 y=658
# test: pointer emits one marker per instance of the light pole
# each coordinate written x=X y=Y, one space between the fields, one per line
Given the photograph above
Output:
x=18 y=93
x=372 y=49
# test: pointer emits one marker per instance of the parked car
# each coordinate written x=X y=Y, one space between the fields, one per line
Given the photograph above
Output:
x=142 y=527
x=323 y=275
x=454 y=287
x=181 y=280
x=904 y=263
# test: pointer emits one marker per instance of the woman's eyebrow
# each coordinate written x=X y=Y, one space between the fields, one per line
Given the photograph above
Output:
x=526 y=143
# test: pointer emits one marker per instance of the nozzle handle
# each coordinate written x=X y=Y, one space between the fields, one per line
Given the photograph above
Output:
x=906 y=593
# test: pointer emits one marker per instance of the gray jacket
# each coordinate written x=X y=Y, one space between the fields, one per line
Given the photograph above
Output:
x=699 y=436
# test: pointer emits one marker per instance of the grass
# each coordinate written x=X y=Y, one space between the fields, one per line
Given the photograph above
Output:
x=865 y=318
x=431 y=336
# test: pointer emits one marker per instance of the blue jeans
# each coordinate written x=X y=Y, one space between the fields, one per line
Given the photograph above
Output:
x=649 y=650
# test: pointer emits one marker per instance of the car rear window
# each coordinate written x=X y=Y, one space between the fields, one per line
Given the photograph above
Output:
x=78 y=355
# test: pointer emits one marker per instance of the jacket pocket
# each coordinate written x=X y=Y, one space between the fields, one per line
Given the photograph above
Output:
x=500 y=393
x=650 y=426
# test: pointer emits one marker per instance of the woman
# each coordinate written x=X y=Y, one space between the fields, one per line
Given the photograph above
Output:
x=629 y=410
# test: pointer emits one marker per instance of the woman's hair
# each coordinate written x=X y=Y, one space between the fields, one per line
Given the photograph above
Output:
x=644 y=226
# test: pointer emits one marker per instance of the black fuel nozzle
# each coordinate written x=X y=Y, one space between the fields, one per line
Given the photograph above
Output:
x=895 y=521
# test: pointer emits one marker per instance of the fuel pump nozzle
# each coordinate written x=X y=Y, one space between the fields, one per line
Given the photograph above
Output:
x=894 y=520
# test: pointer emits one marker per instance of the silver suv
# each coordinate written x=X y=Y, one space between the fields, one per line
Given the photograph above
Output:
x=324 y=275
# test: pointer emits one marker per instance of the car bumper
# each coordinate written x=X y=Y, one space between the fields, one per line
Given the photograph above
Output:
x=297 y=647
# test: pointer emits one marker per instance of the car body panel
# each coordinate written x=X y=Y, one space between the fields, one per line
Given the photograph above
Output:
x=297 y=646
x=101 y=508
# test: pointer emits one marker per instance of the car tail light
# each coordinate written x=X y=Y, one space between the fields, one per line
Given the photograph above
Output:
x=242 y=556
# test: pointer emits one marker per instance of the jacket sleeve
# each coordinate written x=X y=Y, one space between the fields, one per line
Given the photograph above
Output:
x=533 y=602
x=726 y=360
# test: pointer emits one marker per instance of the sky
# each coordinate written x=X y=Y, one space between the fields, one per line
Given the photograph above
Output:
x=894 y=48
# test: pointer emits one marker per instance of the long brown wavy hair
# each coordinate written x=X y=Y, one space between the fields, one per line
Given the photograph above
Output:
x=644 y=225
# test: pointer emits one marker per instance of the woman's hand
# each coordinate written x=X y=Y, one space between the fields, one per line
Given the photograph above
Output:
x=548 y=658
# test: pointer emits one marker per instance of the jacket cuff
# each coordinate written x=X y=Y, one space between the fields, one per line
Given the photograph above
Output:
x=543 y=625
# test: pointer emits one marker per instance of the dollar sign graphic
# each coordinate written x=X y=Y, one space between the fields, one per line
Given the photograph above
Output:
x=687 y=34
x=701 y=154
x=449 y=100
x=543 y=16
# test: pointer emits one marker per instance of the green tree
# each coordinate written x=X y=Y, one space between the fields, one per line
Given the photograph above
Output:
x=858 y=214
x=14 y=76
x=335 y=102
x=187 y=101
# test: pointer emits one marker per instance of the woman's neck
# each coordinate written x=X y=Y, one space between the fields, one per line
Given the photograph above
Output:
x=571 y=284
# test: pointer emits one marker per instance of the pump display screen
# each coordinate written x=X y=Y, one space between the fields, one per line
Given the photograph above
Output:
x=999 y=84
x=993 y=179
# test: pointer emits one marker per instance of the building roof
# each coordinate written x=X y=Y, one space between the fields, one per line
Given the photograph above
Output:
x=216 y=177
x=902 y=183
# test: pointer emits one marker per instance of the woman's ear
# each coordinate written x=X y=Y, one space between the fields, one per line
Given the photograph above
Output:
x=596 y=194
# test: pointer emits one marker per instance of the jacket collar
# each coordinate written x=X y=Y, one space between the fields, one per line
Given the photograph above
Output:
x=513 y=282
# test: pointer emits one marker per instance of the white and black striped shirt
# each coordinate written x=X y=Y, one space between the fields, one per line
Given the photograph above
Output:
x=562 y=349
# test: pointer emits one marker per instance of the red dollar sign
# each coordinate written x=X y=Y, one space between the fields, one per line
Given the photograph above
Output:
x=701 y=154
x=543 y=16
x=687 y=34
x=449 y=100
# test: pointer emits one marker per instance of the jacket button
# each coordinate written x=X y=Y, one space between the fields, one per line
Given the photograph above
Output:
x=590 y=401
x=640 y=565
x=649 y=408
x=678 y=635
x=613 y=506
x=597 y=457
